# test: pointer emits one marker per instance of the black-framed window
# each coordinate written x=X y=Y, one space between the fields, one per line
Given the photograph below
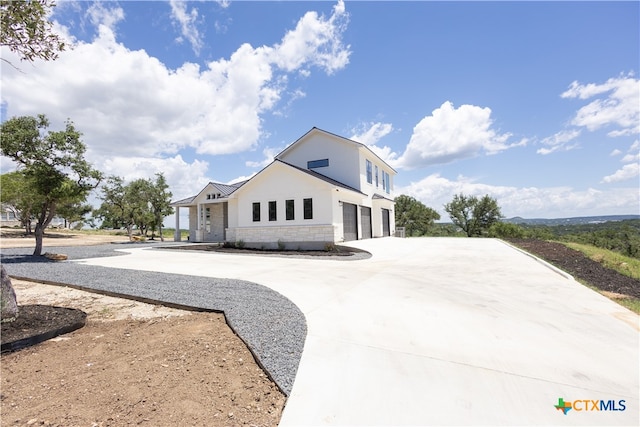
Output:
x=369 y=172
x=256 y=211
x=289 y=209
x=273 y=214
x=376 y=176
x=308 y=208
x=322 y=163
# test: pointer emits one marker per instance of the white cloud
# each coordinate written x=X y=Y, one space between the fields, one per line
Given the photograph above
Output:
x=188 y=23
x=269 y=153
x=99 y=15
x=370 y=133
x=128 y=103
x=615 y=152
x=184 y=179
x=560 y=141
x=316 y=40
x=618 y=105
x=450 y=134
x=632 y=167
x=628 y=171
x=528 y=202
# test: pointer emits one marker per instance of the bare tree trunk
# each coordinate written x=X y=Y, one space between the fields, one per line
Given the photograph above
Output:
x=39 y=238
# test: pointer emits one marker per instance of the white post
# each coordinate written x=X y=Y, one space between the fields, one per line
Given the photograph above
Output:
x=177 y=236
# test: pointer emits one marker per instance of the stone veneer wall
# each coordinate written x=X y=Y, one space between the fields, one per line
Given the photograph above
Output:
x=303 y=236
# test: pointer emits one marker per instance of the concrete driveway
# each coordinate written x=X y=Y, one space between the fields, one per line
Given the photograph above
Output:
x=440 y=331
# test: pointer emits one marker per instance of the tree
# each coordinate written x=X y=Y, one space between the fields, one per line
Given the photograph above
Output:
x=474 y=216
x=142 y=204
x=414 y=215
x=18 y=195
x=160 y=202
x=26 y=30
x=53 y=162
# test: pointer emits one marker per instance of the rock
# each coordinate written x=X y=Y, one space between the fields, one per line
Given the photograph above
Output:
x=55 y=257
x=8 y=303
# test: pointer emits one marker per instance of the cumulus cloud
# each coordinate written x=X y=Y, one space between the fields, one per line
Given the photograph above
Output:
x=528 y=202
x=450 y=134
x=316 y=40
x=187 y=20
x=185 y=178
x=129 y=104
x=617 y=105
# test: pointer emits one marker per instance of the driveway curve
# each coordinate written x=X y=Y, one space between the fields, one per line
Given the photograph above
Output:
x=439 y=331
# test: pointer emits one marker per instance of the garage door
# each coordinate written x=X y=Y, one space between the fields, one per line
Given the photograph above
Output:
x=350 y=221
x=385 y=222
x=365 y=220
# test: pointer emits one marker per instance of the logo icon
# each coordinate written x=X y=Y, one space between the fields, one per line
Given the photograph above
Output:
x=563 y=406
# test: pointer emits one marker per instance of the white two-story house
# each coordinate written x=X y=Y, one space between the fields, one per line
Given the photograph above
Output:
x=321 y=189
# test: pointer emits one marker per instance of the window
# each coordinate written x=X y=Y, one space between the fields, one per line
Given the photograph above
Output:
x=290 y=209
x=376 y=176
x=308 y=208
x=272 y=211
x=256 y=212
x=386 y=179
x=369 y=173
x=318 y=163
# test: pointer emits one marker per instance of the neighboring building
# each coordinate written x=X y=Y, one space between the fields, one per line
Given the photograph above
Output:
x=8 y=217
x=321 y=189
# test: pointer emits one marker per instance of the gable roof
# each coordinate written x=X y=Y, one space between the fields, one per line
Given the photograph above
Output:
x=225 y=190
x=314 y=129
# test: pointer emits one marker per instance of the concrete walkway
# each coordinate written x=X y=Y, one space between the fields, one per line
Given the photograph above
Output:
x=439 y=331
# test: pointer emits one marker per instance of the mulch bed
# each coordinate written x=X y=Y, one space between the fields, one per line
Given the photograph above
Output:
x=38 y=323
x=580 y=266
x=342 y=252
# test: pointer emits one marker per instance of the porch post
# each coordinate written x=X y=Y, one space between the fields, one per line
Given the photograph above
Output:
x=177 y=236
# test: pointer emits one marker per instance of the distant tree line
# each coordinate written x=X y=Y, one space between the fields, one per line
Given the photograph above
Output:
x=481 y=217
x=54 y=180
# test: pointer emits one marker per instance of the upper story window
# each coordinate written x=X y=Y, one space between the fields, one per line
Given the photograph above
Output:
x=272 y=211
x=256 y=211
x=376 y=176
x=386 y=182
x=323 y=163
x=369 y=172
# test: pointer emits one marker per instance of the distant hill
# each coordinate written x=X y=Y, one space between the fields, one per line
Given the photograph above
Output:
x=570 y=221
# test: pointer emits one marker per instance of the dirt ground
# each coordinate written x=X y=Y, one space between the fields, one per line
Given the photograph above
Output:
x=133 y=364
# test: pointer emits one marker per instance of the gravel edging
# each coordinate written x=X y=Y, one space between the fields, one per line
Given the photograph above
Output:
x=273 y=328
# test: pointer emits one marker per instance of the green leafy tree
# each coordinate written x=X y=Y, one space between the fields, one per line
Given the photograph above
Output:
x=414 y=216
x=142 y=204
x=474 y=216
x=159 y=202
x=18 y=195
x=54 y=164
x=74 y=212
x=27 y=31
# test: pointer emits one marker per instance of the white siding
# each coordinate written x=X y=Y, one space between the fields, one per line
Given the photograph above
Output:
x=343 y=157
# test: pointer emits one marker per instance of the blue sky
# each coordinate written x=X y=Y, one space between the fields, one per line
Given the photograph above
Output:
x=534 y=103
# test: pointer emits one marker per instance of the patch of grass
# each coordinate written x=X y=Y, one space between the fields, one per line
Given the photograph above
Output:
x=626 y=301
x=609 y=259
x=632 y=304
